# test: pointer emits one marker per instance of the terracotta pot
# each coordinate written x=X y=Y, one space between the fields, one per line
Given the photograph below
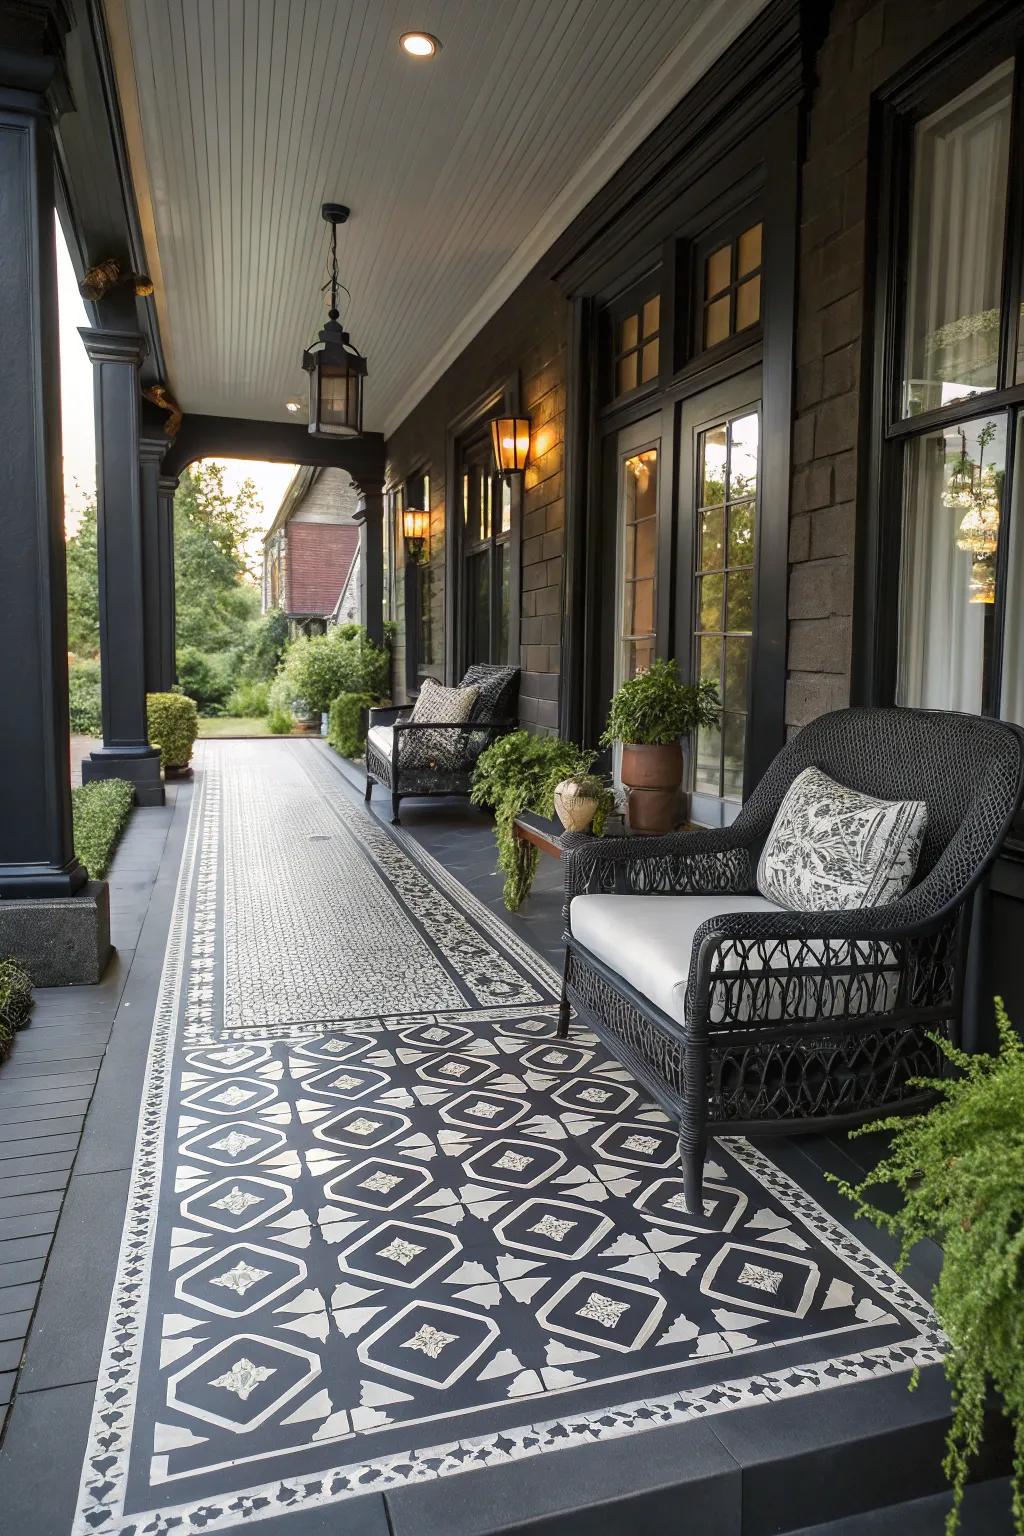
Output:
x=575 y=811
x=653 y=776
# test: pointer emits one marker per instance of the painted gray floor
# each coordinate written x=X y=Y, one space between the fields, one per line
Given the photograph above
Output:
x=714 y=1477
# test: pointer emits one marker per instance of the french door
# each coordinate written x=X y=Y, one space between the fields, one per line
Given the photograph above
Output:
x=485 y=582
x=717 y=521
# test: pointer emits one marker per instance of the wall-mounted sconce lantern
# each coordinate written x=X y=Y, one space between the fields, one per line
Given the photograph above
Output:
x=416 y=532
x=510 y=438
x=336 y=369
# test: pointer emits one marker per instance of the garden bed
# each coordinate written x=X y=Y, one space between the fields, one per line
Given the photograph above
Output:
x=100 y=813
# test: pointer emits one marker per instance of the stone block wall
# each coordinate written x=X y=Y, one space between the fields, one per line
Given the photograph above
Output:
x=868 y=41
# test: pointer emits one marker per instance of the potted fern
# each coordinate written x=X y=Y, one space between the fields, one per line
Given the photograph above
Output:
x=649 y=716
x=960 y=1171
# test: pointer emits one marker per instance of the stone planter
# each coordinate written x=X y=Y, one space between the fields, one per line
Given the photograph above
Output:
x=576 y=812
x=653 y=776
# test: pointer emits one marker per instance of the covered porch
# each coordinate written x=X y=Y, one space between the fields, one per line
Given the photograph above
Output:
x=689 y=339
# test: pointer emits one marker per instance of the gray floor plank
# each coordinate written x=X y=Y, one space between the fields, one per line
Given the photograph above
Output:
x=21 y=1271
x=26 y=1130
x=25 y=1204
x=41 y=1114
x=16 y=1298
x=44 y=1162
x=27 y=1226
x=14 y=1325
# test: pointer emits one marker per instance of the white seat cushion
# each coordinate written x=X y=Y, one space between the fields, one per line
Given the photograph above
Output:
x=648 y=941
x=380 y=738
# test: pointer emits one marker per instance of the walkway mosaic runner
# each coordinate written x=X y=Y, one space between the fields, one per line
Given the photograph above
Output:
x=384 y=1227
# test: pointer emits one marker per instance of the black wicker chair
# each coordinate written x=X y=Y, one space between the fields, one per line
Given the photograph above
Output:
x=802 y=1021
x=407 y=762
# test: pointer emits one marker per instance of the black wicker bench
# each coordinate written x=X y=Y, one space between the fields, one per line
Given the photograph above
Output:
x=795 y=1021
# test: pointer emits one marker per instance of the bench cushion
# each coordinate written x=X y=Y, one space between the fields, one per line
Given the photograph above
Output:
x=648 y=941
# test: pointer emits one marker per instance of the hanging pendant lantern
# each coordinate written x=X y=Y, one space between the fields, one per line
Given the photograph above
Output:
x=336 y=369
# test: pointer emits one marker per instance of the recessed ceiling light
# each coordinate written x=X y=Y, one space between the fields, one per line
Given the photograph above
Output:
x=422 y=45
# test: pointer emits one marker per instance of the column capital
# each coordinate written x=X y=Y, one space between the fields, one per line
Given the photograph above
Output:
x=152 y=449
x=370 y=488
x=114 y=346
x=167 y=484
x=32 y=34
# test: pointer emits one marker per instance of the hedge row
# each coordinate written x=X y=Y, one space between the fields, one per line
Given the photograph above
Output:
x=15 y=1002
x=99 y=811
x=346 y=730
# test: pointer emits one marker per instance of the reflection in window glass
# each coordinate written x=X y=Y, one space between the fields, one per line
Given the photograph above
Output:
x=958 y=208
x=637 y=347
x=638 y=564
x=953 y=484
x=732 y=288
x=727 y=488
x=1012 y=706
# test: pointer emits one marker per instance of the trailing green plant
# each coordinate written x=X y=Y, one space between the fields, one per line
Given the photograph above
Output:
x=84 y=712
x=173 y=724
x=280 y=722
x=99 y=813
x=249 y=700
x=15 y=1002
x=656 y=707
x=517 y=773
x=346 y=729
x=960 y=1171
x=316 y=668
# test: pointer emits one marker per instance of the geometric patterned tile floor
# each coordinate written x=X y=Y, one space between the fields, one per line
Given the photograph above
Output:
x=382 y=1228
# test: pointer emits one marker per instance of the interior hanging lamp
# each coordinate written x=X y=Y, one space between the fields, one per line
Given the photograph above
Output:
x=336 y=369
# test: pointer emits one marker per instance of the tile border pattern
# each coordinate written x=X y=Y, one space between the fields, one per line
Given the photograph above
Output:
x=188 y=970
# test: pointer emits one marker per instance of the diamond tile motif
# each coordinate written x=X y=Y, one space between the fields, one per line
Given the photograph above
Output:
x=599 y=1308
x=563 y=1059
x=235 y=1204
x=241 y=1094
x=782 y=1285
x=594 y=1096
x=332 y=1048
x=240 y=1279
x=456 y=1071
x=359 y=1128
x=665 y=1201
x=762 y=1279
x=553 y=1229
x=233 y=1146
x=379 y=1183
x=243 y=1378
x=402 y=1253
x=515 y=1164
x=348 y=1082
x=429 y=1344
x=238 y=1384
x=478 y=1111
x=615 y=1314
x=638 y=1146
x=437 y=1037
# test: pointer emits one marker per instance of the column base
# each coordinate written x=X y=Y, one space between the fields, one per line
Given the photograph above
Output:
x=60 y=941
x=143 y=771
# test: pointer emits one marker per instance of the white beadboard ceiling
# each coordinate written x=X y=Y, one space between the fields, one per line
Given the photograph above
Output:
x=243 y=116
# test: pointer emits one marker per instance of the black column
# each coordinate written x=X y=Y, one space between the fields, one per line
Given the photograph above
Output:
x=36 y=851
x=157 y=578
x=126 y=753
x=167 y=485
x=370 y=517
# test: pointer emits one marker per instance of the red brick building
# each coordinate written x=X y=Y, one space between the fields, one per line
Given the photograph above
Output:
x=311 y=550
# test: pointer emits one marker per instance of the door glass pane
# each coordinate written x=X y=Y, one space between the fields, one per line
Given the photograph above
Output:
x=727 y=456
x=504 y=600
x=958 y=208
x=953 y=485
x=638 y=553
x=478 y=600
x=506 y=506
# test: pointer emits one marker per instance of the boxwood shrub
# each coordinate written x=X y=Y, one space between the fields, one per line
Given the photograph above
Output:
x=346 y=730
x=84 y=698
x=99 y=812
x=173 y=726
x=15 y=1002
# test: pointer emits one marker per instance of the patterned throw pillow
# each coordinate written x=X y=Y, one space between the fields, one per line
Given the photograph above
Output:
x=832 y=849
x=444 y=750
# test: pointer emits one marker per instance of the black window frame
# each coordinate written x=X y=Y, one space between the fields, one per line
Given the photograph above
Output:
x=965 y=54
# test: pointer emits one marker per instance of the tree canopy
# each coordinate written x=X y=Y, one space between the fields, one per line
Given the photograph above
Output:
x=214 y=587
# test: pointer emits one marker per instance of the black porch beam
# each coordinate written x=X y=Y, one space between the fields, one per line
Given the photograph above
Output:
x=283 y=442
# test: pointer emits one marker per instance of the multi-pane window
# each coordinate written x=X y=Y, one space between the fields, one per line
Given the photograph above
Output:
x=956 y=413
x=731 y=288
x=638 y=563
x=636 y=343
x=727 y=476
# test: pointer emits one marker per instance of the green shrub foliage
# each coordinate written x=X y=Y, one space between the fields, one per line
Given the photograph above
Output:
x=516 y=773
x=280 y=722
x=249 y=700
x=656 y=707
x=960 y=1171
x=346 y=731
x=317 y=668
x=99 y=812
x=173 y=725
x=205 y=678
x=84 y=713
x=15 y=1002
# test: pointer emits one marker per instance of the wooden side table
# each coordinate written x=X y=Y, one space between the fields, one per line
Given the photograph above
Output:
x=546 y=832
